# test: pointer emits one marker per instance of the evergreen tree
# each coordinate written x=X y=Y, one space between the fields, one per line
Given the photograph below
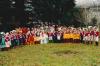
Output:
x=53 y=10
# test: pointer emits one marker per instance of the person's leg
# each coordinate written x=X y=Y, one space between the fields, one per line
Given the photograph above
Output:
x=3 y=49
x=91 y=40
x=75 y=40
x=96 y=40
x=12 y=44
x=41 y=41
x=97 y=43
x=64 y=40
x=17 y=42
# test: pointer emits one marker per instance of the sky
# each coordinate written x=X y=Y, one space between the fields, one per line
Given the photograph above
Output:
x=87 y=3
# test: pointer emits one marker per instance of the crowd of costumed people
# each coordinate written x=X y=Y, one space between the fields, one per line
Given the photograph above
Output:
x=48 y=34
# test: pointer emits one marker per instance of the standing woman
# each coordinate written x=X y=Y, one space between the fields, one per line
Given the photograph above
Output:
x=55 y=37
x=85 y=36
x=59 y=37
x=2 y=41
x=96 y=36
x=33 y=35
x=30 y=38
x=46 y=38
x=50 y=36
x=18 y=38
x=91 y=36
x=42 y=36
x=27 y=37
x=81 y=35
x=11 y=38
x=7 y=41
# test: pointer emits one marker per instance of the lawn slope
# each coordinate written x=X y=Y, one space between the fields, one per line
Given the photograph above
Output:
x=52 y=55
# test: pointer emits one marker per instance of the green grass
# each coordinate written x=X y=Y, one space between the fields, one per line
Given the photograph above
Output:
x=52 y=55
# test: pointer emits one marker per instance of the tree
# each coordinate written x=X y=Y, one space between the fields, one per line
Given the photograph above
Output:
x=4 y=7
x=78 y=17
x=12 y=13
x=94 y=21
x=53 y=10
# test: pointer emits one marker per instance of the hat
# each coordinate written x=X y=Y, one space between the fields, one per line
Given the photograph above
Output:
x=7 y=33
x=2 y=33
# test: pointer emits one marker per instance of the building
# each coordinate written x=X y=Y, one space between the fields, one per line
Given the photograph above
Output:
x=90 y=13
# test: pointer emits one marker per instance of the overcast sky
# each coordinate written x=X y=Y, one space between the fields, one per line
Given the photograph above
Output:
x=86 y=3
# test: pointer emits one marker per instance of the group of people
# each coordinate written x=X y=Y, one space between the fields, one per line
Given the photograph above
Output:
x=48 y=34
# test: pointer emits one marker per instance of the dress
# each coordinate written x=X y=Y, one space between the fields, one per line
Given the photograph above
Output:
x=7 y=41
x=2 y=44
x=30 y=39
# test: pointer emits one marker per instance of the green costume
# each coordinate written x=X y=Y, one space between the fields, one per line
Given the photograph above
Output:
x=3 y=45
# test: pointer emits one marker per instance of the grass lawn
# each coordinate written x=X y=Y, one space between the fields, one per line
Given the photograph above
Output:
x=52 y=55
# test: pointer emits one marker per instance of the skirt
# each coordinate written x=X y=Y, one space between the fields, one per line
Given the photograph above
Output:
x=8 y=44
